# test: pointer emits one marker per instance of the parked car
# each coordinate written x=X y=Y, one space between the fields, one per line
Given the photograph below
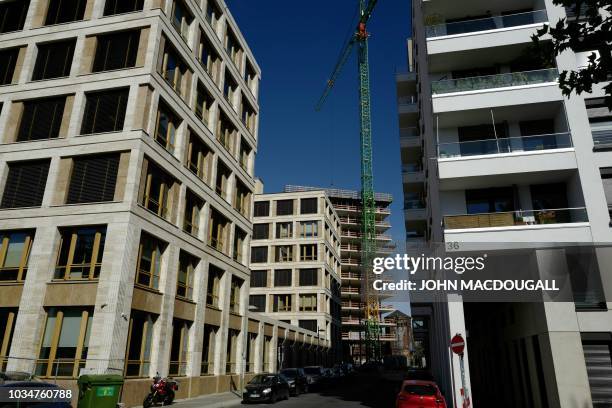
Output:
x=314 y=375
x=298 y=384
x=266 y=387
x=338 y=371
x=30 y=383
x=420 y=394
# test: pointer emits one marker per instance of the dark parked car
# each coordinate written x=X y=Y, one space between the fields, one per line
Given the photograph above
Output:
x=314 y=375
x=10 y=383
x=298 y=384
x=266 y=387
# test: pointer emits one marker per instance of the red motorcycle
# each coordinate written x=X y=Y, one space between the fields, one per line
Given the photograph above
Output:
x=162 y=391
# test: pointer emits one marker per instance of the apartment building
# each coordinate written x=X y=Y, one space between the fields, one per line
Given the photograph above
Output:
x=347 y=204
x=492 y=153
x=295 y=266
x=129 y=132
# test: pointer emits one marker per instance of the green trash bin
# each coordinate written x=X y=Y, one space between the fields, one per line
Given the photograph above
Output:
x=99 y=391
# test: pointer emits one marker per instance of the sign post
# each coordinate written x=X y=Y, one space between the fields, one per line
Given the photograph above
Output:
x=458 y=347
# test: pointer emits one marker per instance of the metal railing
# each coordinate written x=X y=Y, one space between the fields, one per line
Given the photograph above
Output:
x=505 y=145
x=487 y=23
x=516 y=218
x=539 y=76
x=602 y=137
x=411 y=168
x=407 y=100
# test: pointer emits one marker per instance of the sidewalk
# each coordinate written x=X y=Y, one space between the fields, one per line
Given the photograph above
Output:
x=222 y=400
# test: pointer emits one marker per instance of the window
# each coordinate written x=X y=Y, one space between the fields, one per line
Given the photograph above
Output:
x=173 y=68
x=284 y=207
x=284 y=230
x=245 y=154
x=309 y=205
x=489 y=200
x=199 y=157
x=54 y=60
x=41 y=119
x=259 y=279
x=242 y=199
x=309 y=325
x=259 y=254
x=181 y=19
x=8 y=62
x=25 y=184
x=219 y=231
x=13 y=15
x=208 y=349
x=80 y=253
x=179 y=347
x=167 y=124
x=93 y=179
x=231 y=355
x=284 y=253
x=239 y=240
x=203 y=104
x=122 y=6
x=282 y=277
x=150 y=255
x=282 y=303
x=65 y=11
x=247 y=114
x=14 y=253
x=258 y=302
x=261 y=209
x=223 y=176
x=157 y=184
x=233 y=48
x=249 y=76
x=226 y=133
x=186 y=272
x=309 y=229
x=65 y=341
x=116 y=51
x=230 y=88
x=261 y=231
x=7 y=324
x=140 y=339
x=308 y=277
x=308 y=252
x=210 y=60
x=308 y=303
x=213 y=289
x=235 y=288
x=193 y=208
x=250 y=352
x=213 y=13
x=105 y=111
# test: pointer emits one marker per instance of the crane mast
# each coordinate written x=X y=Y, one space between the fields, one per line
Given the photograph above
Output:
x=371 y=324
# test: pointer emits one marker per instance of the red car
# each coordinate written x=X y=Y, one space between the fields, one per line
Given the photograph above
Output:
x=420 y=394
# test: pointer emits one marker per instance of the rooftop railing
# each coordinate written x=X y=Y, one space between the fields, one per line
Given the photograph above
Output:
x=539 y=76
x=487 y=23
x=505 y=145
x=516 y=218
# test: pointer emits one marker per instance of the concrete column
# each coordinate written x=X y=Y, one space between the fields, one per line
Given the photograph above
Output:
x=52 y=180
x=111 y=316
x=604 y=261
x=132 y=180
x=79 y=50
x=222 y=337
x=273 y=360
x=196 y=334
x=78 y=109
x=259 y=348
x=180 y=215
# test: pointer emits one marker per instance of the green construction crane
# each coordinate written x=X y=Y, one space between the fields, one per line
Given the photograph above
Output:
x=368 y=230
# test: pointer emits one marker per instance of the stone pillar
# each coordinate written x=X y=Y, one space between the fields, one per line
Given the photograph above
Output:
x=196 y=334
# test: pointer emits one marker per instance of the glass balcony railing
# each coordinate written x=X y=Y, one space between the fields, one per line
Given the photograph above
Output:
x=602 y=137
x=411 y=168
x=516 y=218
x=414 y=204
x=505 y=145
x=495 y=81
x=409 y=132
x=407 y=100
x=487 y=23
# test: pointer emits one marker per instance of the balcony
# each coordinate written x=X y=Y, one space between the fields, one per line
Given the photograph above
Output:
x=412 y=173
x=408 y=104
x=514 y=218
x=487 y=24
x=405 y=76
x=351 y=275
x=509 y=79
x=410 y=137
x=602 y=139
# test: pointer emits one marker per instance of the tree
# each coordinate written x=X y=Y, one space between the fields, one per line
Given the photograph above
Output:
x=588 y=27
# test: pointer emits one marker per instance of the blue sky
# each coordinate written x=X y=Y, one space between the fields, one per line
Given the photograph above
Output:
x=297 y=44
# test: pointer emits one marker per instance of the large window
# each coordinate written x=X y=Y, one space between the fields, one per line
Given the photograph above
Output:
x=308 y=252
x=65 y=341
x=259 y=279
x=150 y=254
x=489 y=200
x=140 y=338
x=223 y=176
x=209 y=58
x=156 y=190
x=93 y=179
x=309 y=229
x=308 y=303
x=54 y=60
x=247 y=114
x=167 y=124
x=203 y=104
x=208 y=349
x=284 y=207
x=13 y=15
x=239 y=241
x=226 y=132
x=179 y=347
x=105 y=111
x=283 y=253
x=231 y=366
x=308 y=325
x=245 y=154
x=80 y=253
x=122 y=6
x=65 y=11
x=173 y=68
x=230 y=87
x=25 y=184
x=7 y=325
x=309 y=205
x=261 y=209
x=259 y=254
x=199 y=158
x=242 y=199
x=258 y=302
x=282 y=303
x=235 y=289
x=116 y=50
x=41 y=119
x=8 y=63
x=186 y=272
x=14 y=253
x=219 y=231
x=282 y=277
x=261 y=231
x=284 y=230
x=308 y=277
x=233 y=48
x=193 y=208
x=213 y=13
x=213 y=290
x=181 y=18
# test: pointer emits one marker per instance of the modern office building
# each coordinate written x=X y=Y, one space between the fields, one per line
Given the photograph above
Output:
x=295 y=265
x=347 y=204
x=129 y=132
x=493 y=153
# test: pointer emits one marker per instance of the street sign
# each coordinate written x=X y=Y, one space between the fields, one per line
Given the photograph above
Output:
x=458 y=344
